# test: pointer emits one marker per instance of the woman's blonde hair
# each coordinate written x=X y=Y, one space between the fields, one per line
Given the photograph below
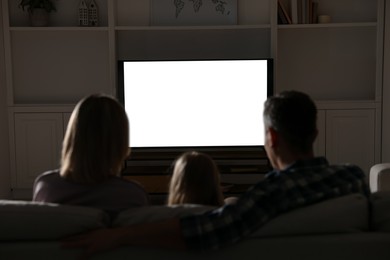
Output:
x=195 y=180
x=96 y=140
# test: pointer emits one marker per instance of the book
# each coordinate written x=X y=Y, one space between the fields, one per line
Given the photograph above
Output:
x=294 y=11
x=309 y=11
x=299 y=11
x=314 y=14
x=304 y=11
x=283 y=14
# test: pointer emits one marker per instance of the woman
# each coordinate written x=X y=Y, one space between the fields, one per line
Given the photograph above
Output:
x=95 y=146
x=195 y=180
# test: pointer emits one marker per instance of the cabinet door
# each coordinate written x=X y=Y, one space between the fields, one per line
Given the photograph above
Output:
x=38 y=138
x=319 y=144
x=66 y=118
x=350 y=137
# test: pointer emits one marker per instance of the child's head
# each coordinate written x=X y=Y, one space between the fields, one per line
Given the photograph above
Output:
x=96 y=140
x=195 y=180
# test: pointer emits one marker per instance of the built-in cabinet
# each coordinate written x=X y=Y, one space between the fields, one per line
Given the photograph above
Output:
x=350 y=136
x=36 y=140
x=38 y=143
x=48 y=69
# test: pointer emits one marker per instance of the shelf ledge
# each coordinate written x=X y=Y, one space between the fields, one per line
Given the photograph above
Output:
x=178 y=28
x=55 y=28
x=326 y=25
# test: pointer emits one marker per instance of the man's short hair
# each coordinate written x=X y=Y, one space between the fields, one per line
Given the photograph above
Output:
x=292 y=114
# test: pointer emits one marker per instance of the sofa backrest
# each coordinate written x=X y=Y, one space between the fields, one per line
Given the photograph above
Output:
x=26 y=220
x=340 y=215
x=157 y=212
x=345 y=214
x=380 y=202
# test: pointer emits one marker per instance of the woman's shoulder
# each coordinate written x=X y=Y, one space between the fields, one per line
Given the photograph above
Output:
x=131 y=190
x=49 y=175
x=129 y=182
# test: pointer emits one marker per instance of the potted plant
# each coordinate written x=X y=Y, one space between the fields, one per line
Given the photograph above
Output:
x=38 y=11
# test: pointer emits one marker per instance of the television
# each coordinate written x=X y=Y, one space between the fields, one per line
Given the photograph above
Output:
x=202 y=104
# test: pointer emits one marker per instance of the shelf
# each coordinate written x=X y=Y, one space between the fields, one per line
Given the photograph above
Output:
x=66 y=14
x=321 y=104
x=55 y=28
x=140 y=28
x=347 y=104
x=42 y=108
x=185 y=28
x=326 y=25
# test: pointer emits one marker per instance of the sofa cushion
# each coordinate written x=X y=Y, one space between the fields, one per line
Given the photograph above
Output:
x=155 y=213
x=26 y=220
x=381 y=211
x=340 y=215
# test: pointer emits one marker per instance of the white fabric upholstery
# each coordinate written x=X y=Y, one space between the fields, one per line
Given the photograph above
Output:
x=380 y=177
x=340 y=215
x=344 y=214
x=381 y=211
x=26 y=220
x=155 y=213
x=336 y=233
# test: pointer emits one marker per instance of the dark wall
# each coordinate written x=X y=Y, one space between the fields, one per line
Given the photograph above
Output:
x=5 y=182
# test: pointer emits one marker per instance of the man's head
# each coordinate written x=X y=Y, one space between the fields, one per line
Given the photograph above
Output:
x=290 y=121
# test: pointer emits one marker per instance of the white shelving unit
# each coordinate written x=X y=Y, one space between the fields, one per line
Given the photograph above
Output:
x=48 y=69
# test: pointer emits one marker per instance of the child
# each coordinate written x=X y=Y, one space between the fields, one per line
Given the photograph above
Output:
x=195 y=180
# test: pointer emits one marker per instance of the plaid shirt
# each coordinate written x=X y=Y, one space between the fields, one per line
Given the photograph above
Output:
x=301 y=184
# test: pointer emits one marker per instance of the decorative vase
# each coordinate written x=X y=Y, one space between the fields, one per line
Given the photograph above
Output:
x=83 y=13
x=39 y=17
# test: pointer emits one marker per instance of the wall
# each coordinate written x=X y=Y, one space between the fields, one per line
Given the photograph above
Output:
x=386 y=91
x=4 y=144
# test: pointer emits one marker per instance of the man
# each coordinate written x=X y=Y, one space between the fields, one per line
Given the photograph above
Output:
x=298 y=179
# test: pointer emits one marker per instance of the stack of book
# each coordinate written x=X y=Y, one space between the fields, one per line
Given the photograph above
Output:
x=297 y=11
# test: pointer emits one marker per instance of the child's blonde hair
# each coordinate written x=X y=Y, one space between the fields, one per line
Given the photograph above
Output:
x=195 y=180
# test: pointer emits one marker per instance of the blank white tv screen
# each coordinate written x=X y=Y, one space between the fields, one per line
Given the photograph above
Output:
x=195 y=103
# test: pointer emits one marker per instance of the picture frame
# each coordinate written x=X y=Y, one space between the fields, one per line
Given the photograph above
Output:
x=193 y=12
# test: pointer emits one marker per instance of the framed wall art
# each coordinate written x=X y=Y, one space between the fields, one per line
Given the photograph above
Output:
x=193 y=12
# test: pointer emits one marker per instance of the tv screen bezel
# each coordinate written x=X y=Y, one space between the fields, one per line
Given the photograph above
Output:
x=207 y=149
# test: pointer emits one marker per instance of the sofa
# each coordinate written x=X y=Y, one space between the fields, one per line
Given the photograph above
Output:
x=349 y=227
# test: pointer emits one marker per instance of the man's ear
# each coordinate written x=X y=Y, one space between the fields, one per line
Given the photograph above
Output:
x=273 y=137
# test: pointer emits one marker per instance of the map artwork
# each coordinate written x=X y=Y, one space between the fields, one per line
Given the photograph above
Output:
x=220 y=6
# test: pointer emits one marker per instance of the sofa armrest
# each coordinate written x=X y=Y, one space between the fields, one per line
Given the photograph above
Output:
x=380 y=177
